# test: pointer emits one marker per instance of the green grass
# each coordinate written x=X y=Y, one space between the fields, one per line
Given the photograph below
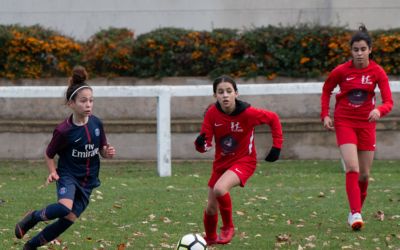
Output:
x=302 y=202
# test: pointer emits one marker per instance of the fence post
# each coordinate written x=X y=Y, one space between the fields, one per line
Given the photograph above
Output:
x=164 y=132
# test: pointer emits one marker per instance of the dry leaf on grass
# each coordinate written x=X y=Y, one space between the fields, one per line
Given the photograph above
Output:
x=240 y=213
x=379 y=215
x=121 y=246
x=117 y=205
x=283 y=238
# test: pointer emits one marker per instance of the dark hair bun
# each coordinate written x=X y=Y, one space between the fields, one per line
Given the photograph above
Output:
x=362 y=28
x=79 y=76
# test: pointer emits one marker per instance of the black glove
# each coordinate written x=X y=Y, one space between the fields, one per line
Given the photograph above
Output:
x=201 y=140
x=273 y=154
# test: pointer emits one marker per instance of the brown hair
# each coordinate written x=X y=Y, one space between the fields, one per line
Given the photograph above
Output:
x=224 y=78
x=361 y=35
x=76 y=81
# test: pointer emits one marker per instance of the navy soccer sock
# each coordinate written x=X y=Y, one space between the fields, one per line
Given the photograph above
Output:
x=50 y=232
x=52 y=211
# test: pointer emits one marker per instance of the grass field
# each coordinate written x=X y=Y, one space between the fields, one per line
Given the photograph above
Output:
x=286 y=205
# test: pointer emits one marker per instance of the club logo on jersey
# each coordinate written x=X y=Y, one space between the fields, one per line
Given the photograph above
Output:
x=228 y=144
x=97 y=132
x=62 y=190
x=235 y=127
x=366 y=79
x=357 y=96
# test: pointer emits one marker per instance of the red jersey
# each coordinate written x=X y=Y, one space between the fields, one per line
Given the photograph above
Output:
x=234 y=134
x=356 y=98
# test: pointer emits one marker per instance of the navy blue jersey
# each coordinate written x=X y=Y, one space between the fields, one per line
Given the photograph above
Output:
x=78 y=150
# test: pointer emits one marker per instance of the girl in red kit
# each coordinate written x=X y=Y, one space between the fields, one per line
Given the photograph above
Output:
x=355 y=117
x=231 y=122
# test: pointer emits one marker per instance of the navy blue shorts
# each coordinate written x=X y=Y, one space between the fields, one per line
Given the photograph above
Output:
x=69 y=188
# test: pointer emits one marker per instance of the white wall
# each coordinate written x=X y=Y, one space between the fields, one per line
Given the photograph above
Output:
x=81 y=19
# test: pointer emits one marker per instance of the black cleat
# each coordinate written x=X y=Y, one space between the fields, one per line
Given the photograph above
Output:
x=24 y=225
x=28 y=247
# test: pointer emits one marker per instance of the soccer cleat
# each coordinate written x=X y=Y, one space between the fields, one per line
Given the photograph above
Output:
x=211 y=241
x=28 y=247
x=24 y=225
x=226 y=235
x=355 y=221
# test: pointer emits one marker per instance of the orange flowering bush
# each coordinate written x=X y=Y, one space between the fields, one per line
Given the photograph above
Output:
x=386 y=50
x=301 y=51
x=34 y=52
x=179 y=52
x=108 y=52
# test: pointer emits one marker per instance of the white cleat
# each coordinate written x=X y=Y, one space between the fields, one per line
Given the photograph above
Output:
x=355 y=221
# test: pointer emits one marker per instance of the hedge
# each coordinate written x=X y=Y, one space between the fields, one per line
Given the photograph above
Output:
x=301 y=51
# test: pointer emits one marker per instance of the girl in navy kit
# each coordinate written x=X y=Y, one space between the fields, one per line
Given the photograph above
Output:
x=77 y=141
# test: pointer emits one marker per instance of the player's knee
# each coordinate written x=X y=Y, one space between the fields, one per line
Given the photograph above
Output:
x=352 y=167
x=219 y=190
x=363 y=177
x=71 y=217
x=64 y=211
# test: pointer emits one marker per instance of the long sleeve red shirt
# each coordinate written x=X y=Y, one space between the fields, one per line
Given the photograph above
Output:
x=234 y=134
x=356 y=98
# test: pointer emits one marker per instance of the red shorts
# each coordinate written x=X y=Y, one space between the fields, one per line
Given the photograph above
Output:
x=364 y=138
x=242 y=170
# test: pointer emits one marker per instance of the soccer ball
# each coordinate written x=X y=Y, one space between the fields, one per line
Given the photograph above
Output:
x=192 y=242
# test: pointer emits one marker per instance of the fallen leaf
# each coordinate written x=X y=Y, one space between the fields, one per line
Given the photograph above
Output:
x=240 y=213
x=347 y=247
x=310 y=245
x=311 y=238
x=283 y=237
x=394 y=217
x=56 y=242
x=166 y=220
x=138 y=234
x=262 y=198
x=117 y=205
x=243 y=235
x=379 y=215
x=121 y=246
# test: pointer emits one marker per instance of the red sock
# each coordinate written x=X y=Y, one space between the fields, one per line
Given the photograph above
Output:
x=353 y=191
x=363 y=190
x=210 y=225
x=225 y=208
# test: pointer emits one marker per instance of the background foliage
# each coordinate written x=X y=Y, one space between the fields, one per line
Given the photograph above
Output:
x=301 y=51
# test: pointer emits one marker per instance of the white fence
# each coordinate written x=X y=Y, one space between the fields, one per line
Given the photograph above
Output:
x=164 y=94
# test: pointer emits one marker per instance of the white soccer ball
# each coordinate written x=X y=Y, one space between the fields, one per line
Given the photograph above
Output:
x=192 y=242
